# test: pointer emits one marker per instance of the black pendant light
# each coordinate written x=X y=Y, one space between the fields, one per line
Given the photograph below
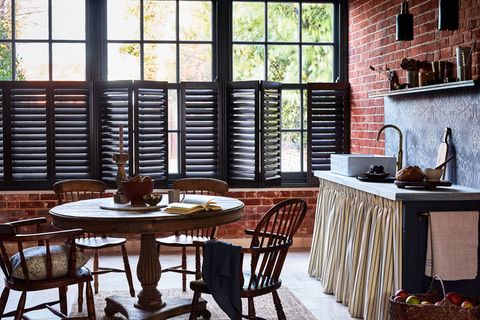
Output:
x=404 y=24
x=448 y=15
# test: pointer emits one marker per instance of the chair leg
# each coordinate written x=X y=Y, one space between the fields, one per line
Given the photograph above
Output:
x=251 y=309
x=128 y=272
x=158 y=249
x=62 y=294
x=184 y=267
x=80 y=297
x=90 y=303
x=278 y=306
x=3 y=300
x=198 y=271
x=95 y=270
x=194 y=311
x=21 y=306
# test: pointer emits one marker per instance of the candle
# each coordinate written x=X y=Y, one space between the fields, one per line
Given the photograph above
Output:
x=120 y=133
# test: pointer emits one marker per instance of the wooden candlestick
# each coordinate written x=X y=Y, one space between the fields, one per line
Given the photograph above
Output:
x=120 y=159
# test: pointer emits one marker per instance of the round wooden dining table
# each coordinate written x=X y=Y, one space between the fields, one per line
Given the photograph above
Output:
x=91 y=216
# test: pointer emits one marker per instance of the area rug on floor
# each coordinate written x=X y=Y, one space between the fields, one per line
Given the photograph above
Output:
x=264 y=306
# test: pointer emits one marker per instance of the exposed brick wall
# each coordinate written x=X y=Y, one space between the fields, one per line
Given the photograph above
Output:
x=31 y=204
x=372 y=42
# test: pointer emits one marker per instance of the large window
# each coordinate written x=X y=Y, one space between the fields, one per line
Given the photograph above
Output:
x=42 y=40
x=291 y=41
x=162 y=41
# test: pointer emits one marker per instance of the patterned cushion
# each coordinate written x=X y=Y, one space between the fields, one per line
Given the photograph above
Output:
x=36 y=258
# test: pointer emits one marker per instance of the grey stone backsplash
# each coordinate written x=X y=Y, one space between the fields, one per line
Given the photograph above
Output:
x=423 y=118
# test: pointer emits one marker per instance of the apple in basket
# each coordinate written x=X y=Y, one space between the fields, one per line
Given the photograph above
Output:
x=137 y=187
x=467 y=304
x=454 y=298
x=413 y=300
x=402 y=294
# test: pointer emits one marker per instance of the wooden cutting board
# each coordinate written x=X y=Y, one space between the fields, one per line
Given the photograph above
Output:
x=443 y=149
x=428 y=185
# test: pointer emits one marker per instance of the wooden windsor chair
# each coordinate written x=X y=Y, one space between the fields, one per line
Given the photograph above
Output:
x=43 y=267
x=82 y=189
x=185 y=239
x=269 y=246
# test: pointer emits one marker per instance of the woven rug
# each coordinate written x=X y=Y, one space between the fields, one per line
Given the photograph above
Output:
x=264 y=306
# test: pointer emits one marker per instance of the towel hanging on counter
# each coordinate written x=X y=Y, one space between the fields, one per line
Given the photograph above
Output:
x=452 y=245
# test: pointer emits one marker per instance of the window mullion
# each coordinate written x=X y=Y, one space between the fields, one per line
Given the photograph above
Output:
x=13 y=47
x=142 y=38
x=265 y=41
x=50 y=46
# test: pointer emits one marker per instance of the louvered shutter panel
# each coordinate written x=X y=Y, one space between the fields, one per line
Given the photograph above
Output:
x=28 y=108
x=271 y=135
x=72 y=133
x=1 y=135
x=114 y=102
x=254 y=133
x=201 y=126
x=243 y=137
x=327 y=115
x=151 y=105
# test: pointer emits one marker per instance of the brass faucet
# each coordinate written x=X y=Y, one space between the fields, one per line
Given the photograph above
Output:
x=400 y=143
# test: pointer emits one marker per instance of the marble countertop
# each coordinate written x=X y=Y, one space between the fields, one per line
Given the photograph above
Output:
x=390 y=191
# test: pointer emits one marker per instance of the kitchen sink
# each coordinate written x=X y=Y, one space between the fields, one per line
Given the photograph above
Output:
x=353 y=165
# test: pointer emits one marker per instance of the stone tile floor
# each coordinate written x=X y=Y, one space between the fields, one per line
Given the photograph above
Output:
x=294 y=276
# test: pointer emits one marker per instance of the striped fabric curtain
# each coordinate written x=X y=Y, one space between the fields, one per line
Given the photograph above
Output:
x=357 y=248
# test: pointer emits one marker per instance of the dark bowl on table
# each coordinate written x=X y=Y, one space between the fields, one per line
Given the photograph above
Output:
x=135 y=190
x=376 y=176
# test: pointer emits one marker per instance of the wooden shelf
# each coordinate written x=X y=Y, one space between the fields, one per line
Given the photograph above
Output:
x=435 y=87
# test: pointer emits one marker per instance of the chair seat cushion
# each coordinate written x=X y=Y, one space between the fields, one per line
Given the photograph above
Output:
x=181 y=240
x=99 y=242
x=36 y=258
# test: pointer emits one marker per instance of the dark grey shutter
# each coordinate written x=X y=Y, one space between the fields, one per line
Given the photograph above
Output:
x=142 y=108
x=151 y=110
x=45 y=133
x=271 y=136
x=28 y=110
x=253 y=133
x=242 y=133
x=71 y=103
x=114 y=103
x=327 y=116
x=201 y=115
x=1 y=135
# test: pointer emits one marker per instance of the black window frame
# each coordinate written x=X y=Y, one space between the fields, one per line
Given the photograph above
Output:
x=96 y=63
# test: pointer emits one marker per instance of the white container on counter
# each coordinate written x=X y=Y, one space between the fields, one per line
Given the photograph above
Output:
x=353 y=165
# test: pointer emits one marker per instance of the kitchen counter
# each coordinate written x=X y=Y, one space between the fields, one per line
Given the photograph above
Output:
x=392 y=192
x=370 y=240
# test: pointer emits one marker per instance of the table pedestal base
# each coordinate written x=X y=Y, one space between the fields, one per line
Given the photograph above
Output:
x=173 y=307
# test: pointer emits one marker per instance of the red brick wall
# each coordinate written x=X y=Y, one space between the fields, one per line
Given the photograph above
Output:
x=31 y=204
x=372 y=42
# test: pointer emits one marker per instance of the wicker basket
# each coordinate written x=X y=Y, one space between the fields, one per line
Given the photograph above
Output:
x=445 y=311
